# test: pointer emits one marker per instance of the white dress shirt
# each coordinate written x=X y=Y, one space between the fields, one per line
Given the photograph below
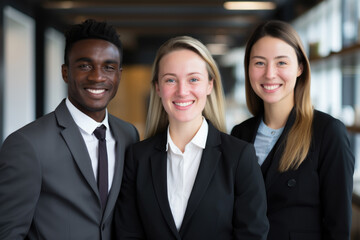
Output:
x=87 y=125
x=182 y=169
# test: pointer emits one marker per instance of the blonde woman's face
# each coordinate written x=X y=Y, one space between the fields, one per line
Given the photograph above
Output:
x=273 y=70
x=183 y=86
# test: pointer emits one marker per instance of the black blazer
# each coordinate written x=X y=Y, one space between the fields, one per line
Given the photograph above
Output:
x=227 y=200
x=314 y=201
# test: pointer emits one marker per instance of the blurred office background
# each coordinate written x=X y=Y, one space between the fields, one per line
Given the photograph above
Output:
x=32 y=43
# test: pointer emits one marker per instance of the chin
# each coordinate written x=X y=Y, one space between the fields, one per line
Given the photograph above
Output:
x=96 y=108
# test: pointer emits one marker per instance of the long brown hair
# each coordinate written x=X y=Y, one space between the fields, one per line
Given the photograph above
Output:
x=299 y=138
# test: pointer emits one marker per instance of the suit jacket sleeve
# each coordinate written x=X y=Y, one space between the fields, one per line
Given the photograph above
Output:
x=249 y=220
x=20 y=183
x=127 y=221
x=336 y=168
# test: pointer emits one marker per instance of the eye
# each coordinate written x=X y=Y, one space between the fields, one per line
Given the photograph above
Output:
x=85 y=67
x=259 y=63
x=194 y=80
x=110 y=68
x=170 y=80
x=282 y=63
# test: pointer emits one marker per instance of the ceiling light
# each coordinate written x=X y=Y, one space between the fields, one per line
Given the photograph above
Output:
x=60 y=5
x=241 y=5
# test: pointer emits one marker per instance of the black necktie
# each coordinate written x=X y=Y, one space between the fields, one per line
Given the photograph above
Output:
x=102 y=177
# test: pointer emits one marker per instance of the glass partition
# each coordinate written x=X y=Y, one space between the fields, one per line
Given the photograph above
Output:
x=19 y=70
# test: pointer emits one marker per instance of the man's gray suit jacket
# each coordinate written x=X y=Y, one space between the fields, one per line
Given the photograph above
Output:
x=47 y=185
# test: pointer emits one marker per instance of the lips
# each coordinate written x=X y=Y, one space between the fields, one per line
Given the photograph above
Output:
x=95 y=91
x=183 y=104
x=271 y=87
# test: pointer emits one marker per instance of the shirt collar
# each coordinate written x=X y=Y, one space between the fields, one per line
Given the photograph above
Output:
x=83 y=121
x=198 y=140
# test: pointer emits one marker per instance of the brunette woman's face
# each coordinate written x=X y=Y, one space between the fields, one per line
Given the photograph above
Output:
x=273 y=70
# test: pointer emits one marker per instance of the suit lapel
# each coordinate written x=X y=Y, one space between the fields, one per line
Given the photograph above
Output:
x=209 y=162
x=272 y=172
x=119 y=166
x=159 y=174
x=76 y=144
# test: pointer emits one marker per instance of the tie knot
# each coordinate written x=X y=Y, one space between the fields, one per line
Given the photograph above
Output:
x=100 y=132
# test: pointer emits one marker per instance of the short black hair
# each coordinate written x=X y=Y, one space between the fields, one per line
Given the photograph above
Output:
x=91 y=29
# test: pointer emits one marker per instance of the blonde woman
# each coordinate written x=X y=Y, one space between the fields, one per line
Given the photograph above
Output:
x=188 y=179
x=304 y=154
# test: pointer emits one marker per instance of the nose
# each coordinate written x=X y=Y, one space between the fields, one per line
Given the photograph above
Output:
x=96 y=74
x=182 y=88
x=270 y=71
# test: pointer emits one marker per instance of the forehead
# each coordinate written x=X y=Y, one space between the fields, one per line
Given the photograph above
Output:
x=272 y=46
x=178 y=59
x=94 y=48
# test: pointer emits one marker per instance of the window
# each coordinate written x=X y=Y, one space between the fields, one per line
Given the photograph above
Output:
x=19 y=70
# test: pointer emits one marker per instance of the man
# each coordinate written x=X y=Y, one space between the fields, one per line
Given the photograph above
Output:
x=49 y=180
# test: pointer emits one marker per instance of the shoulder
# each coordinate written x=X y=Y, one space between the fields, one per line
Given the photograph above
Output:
x=320 y=116
x=330 y=138
x=245 y=129
x=33 y=135
x=38 y=126
x=158 y=141
x=326 y=124
x=232 y=142
x=237 y=153
x=126 y=127
x=117 y=122
x=233 y=147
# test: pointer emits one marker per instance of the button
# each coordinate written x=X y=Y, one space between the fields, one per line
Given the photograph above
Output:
x=272 y=132
x=291 y=183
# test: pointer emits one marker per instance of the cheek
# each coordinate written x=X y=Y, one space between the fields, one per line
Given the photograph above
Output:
x=164 y=92
x=254 y=74
x=254 y=78
x=115 y=88
x=289 y=76
x=116 y=79
x=202 y=93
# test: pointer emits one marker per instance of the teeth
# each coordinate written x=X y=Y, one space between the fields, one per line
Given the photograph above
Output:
x=96 y=91
x=271 y=87
x=183 y=104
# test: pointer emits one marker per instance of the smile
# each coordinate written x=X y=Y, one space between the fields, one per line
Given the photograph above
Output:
x=95 y=91
x=183 y=104
x=271 y=87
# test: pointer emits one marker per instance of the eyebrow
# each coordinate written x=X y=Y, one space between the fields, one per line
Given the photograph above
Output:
x=83 y=59
x=192 y=73
x=86 y=59
x=166 y=74
x=174 y=75
x=277 y=57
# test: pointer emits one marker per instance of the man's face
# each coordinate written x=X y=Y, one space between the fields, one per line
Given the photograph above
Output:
x=92 y=76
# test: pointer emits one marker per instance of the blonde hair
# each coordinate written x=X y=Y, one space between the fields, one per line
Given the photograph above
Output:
x=299 y=138
x=157 y=119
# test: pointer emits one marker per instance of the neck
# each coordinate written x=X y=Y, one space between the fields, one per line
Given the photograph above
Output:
x=182 y=133
x=275 y=116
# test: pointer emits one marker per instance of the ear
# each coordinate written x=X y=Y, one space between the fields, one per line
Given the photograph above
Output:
x=210 y=86
x=64 y=72
x=120 y=74
x=300 y=70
